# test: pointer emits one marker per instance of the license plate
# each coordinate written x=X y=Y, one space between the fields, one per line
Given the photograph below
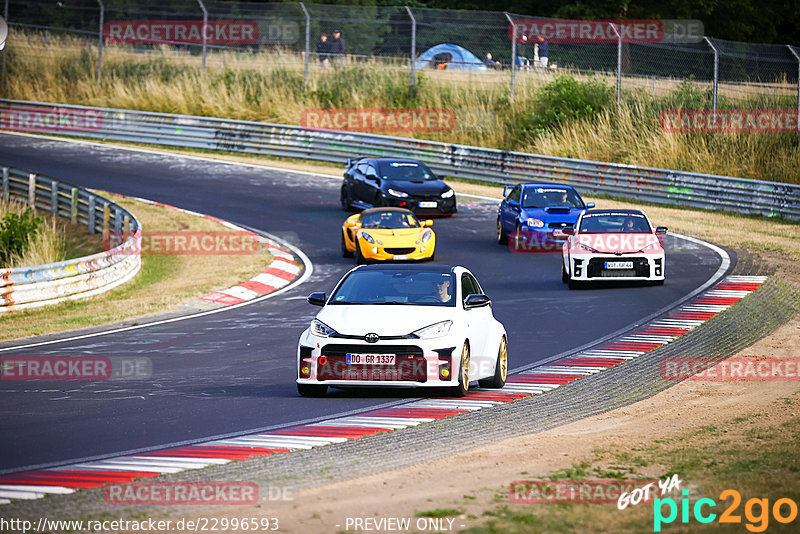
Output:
x=619 y=265
x=558 y=232
x=369 y=359
x=427 y=204
x=400 y=257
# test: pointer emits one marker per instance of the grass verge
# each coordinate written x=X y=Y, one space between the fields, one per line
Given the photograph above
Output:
x=164 y=283
x=757 y=455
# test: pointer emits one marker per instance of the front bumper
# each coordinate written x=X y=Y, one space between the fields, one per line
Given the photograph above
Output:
x=444 y=206
x=418 y=362
x=593 y=267
x=376 y=252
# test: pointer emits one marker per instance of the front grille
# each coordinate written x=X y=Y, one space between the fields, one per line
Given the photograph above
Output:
x=404 y=250
x=409 y=364
x=561 y=225
x=641 y=268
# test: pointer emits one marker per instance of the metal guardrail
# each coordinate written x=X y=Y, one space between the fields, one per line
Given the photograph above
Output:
x=40 y=285
x=687 y=189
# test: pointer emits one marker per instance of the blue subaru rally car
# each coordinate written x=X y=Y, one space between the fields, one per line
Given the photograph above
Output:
x=535 y=215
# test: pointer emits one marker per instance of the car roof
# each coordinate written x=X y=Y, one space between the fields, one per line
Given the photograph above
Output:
x=404 y=160
x=379 y=210
x=548 y=185
x=614 y=211
x=408 y=267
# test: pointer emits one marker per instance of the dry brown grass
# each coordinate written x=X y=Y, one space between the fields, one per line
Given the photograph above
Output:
x=164 y=284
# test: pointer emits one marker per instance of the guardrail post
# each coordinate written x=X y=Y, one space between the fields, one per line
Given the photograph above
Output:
x=117 y=219
x=619 y=61
x=205 y=29
x=716 y=73
x=73 y=207
x=106 y=219
x=90 y=215
x=308 y=41
x=126 y=228
x=100 y=40
x=53 y=198
x=32 y=190
x=5 y=183
x=413 y=48
x=797 y=57
x=513 y=53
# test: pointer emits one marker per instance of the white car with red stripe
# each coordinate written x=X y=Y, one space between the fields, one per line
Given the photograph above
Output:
x=613 y=245
x=403 y=326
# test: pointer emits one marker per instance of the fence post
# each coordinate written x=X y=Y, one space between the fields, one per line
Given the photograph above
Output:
x=619 y=61
x=513 y=53
x=308 y=41
x=3 y=75
x=91 y=215
x=716 y=73
x=73 y=207
x=53 y=197
x=32 y=190
x=5 y=183
x=797 y=57
x=100 y=40
x=413 y=48
x=205 y=29
x=106 y=219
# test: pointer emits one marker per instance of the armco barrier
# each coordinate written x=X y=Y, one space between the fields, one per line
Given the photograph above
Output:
x=706 y=191
x=40 y=285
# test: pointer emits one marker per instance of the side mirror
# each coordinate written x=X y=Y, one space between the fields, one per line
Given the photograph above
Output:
x=506 y=190
x=661 y=229
x=476 y=301
x=590 y=205
x=427 y=222
x=317 y=299
x=513 y=204
x=568 y=231
x=372 y=174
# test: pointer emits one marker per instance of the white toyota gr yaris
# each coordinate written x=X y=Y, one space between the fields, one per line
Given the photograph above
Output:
x=403 y=326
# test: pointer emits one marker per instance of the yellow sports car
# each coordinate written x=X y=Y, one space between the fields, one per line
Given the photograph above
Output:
x=387 y=234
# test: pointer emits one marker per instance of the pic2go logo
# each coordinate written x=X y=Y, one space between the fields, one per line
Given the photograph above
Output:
x=758 y=521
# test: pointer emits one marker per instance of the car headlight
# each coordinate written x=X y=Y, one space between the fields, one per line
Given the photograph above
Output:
x=427 y=236
x=434 y=330
x=395 y=192
x=368 y=238
x=320 y=329
x=535 y=223
x=584 y=246
x=447 y=194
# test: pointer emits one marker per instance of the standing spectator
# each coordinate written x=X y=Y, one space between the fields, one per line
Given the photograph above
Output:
x=323 y=50
x=544 y=52
x=490 y=62
x=521 y=61
x=337 y=48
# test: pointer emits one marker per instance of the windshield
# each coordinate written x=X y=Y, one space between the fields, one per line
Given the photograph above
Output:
x=389 y=219
x=396 y=287
x=405 y=171
x=543 y=197
x=614 y=222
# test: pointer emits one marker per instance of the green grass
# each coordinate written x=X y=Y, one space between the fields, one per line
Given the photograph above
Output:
x=439 y=512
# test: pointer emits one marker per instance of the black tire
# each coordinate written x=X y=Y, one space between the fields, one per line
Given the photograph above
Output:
x=379 y=201
x=463 y=373
x=574 y=284
x=564 y=275
x=346 y=198
x=359 y=258
x=658 y=283
x=502 y=238
x=345 y=253
x=312 y=390
x=500 y=369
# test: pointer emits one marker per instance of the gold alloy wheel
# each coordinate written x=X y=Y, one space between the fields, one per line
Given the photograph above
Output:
x=465 y=367
x=502 y=359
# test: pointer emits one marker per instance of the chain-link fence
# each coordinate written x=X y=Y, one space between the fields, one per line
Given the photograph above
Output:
x=478 y=45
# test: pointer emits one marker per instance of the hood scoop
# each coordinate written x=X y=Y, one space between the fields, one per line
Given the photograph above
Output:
x=557 y=209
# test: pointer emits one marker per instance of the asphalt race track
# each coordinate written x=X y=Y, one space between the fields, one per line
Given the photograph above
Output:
x=233 y=372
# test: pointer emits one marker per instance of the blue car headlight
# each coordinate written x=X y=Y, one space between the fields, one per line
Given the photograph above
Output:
x=534 y=223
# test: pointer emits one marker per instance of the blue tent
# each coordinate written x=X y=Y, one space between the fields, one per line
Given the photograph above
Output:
x=456 y=57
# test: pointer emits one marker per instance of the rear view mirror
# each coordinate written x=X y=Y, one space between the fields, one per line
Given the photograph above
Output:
x=476 y=300
x=661 y=229
x=317 y=299
x=513 y=204
x=590 y=205
x=427 y=222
